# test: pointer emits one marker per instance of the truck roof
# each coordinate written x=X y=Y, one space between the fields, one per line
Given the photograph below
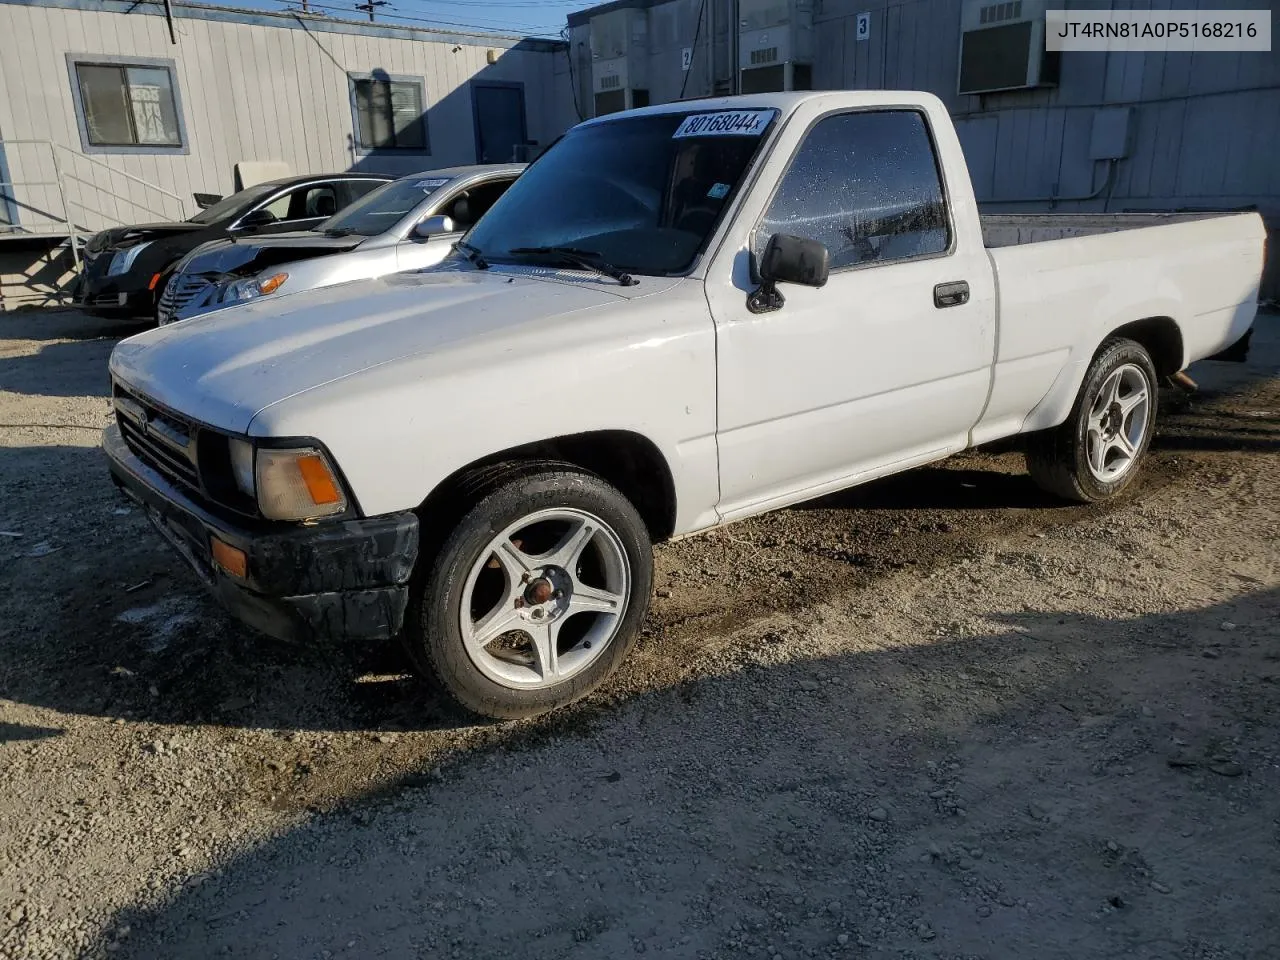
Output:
x=783 y=102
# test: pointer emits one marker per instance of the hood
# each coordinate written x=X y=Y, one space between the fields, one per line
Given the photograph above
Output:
x=233 y=255
x=129 y=236
x=223 y=369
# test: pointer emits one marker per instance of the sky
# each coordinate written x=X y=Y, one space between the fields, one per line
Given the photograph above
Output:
x=532 y=17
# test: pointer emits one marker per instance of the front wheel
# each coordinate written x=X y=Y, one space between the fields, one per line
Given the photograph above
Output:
x=536 y=596
x=1096 y=453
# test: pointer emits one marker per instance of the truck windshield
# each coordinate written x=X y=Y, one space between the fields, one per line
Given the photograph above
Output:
x=642 y=193
x=381 y=209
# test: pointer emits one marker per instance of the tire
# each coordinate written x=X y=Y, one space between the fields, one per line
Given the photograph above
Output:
x=536 y=596
x=1099 y=450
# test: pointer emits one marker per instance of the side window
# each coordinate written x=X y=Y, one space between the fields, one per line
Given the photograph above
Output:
x=279 y=207
x=867 y=186
x=318 y=201
x=475 y=203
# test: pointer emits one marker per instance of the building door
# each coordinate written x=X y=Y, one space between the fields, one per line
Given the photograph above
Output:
x=499 y=119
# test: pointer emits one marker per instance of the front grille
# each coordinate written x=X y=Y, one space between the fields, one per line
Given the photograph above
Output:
x=159 y=439
x=180 y=291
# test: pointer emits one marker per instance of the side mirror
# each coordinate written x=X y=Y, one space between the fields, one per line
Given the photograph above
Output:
x=788 y=259
x=257 y=218
x=433 y=227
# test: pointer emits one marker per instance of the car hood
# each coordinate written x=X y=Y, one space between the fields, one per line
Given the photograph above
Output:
x=232 y=255
x=129 y=236
x=223 y=369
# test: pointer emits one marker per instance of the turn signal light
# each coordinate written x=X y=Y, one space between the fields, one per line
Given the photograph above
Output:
x=272 y=283
x=319 y=481
x=229 y=558
x=155 y=278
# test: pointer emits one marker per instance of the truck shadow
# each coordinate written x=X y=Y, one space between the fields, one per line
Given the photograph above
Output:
x=737 y=806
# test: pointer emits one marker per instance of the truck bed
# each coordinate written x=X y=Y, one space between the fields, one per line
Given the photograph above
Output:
x=1065 y=281
x=1012 y=229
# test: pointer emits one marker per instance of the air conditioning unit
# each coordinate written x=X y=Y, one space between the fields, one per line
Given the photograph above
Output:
x=620 y=60
x=1002 y=46
x=775 y=45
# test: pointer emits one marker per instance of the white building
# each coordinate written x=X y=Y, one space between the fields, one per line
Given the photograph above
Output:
x=115 y=112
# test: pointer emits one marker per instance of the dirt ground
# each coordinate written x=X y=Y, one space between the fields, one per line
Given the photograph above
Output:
x=941 y=716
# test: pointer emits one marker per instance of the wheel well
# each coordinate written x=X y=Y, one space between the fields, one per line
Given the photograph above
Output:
x=629 y=461
x=1161 y=338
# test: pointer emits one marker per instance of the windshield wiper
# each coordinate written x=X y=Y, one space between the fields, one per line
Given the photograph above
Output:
x=473 y=254
x=340 y=232
x=575 y=256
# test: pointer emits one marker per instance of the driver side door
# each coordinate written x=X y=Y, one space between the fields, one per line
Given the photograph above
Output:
x=872 y=372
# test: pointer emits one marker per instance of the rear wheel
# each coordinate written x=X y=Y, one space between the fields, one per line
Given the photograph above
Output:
x=1096 y=453
x=536 y=596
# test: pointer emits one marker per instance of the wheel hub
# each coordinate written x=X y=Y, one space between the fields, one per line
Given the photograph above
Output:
x=538 y=591
x=1113 y=422
x=546 y=595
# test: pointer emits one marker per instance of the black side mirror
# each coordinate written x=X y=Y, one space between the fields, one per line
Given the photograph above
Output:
x=257 y=218
x=788 y=259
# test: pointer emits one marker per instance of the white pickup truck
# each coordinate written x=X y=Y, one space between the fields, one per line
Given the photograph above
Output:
x=678 y=317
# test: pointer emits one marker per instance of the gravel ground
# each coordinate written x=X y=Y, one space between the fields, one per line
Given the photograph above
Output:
x=939 y=716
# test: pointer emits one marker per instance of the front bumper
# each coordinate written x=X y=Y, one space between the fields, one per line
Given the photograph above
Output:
x=124 y=295
x=345 y=579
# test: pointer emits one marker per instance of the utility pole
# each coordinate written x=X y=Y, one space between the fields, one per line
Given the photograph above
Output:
x=369 y=6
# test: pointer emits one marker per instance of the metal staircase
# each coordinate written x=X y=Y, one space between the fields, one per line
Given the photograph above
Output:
x=64 y=196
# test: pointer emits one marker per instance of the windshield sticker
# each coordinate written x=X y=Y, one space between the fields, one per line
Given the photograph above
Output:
x=718 y=191
x=733 y=123
x=428 y=185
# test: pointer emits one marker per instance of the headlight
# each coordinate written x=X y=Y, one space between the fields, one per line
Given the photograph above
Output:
x=254 y=287
x=123 y=260
x=242 y=465
x=297 y=484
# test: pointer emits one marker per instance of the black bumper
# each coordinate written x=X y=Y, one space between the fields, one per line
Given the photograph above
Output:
x=345 y=579
x=123 y=296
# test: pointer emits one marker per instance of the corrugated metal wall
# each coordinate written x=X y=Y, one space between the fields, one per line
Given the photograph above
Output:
x=1206 y=125
x=274 y=89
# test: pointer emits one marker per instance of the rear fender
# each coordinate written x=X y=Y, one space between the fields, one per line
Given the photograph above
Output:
x=1056 y=405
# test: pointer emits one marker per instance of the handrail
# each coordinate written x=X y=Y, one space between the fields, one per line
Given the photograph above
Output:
x=60 y=183
x=96 y=162
x=133 y=203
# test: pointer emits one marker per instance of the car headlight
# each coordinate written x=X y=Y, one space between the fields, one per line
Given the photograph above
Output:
x=296 y=484
x=123 y=259
x=242 y=465
x=254 y=287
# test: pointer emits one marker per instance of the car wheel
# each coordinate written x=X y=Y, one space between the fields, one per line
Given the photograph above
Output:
x=1097 y=452
x=536 y=596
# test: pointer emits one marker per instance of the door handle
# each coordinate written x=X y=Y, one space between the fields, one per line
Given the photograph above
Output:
x=952 y=294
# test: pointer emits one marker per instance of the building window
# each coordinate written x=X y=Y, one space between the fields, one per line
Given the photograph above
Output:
x=127 y=105
x=388 y=114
